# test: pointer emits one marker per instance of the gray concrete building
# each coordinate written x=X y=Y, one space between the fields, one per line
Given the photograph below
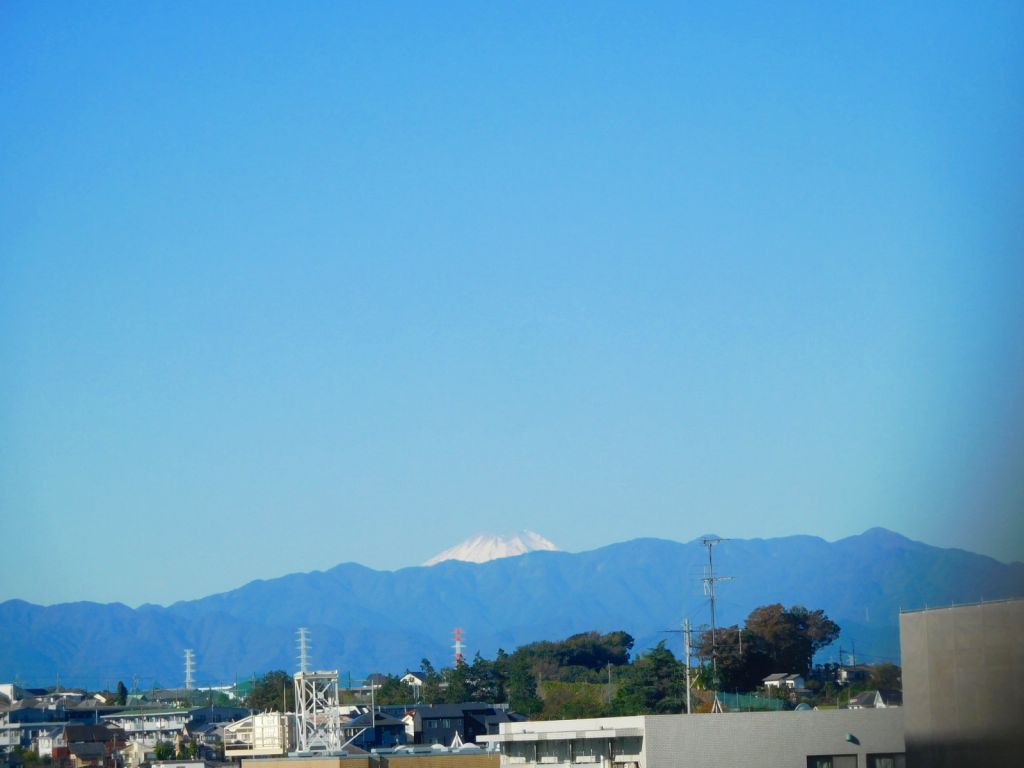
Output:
x=963 y=684
x=865 y=738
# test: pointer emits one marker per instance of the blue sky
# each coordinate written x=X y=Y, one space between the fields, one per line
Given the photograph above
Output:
x=286 y=285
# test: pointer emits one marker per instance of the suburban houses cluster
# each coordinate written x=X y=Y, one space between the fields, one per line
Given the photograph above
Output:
x=72 y=730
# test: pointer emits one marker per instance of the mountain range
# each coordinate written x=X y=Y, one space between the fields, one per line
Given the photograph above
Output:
x=362 y=620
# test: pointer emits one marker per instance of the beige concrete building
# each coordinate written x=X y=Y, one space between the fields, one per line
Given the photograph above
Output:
x=803 y=739
x=963 y=684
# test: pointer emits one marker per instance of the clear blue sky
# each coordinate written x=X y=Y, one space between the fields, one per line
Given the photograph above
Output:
x=290 y=284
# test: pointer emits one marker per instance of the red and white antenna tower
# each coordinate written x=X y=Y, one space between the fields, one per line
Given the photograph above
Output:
x=458 y=646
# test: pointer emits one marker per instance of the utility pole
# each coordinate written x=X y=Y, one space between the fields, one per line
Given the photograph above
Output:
x=686 y=640
x=709 y=589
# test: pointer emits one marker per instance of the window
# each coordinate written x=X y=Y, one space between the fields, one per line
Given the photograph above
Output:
x=832 y=761
x=894 y=760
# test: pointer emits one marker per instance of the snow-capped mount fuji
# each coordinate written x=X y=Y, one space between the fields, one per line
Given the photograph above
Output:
x=489 y=546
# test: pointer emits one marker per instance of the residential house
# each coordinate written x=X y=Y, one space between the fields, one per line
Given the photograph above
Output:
x=854 y=673
x=90 y=755
x=441 y=724
x=91 y=746
x=373 y=731
x=208 y=738
x=784 y=680
x=50 y=742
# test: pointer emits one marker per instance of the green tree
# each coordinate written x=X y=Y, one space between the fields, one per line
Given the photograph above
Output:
x=886 y=677
x=571 y=701
x=653 y=684
x=522 y=687
x=744 y=658
x=122 y=694
x=774 y=640
x=456 y=680
x=187 y=750
x=485 y=681
x=432 y=692
x=393 y=690
x=274 y=692
x=164 y=750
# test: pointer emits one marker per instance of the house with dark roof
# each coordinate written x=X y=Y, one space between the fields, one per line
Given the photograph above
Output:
x=373 y=731
x=91 y=746
x=440 y=724
x=90 y=755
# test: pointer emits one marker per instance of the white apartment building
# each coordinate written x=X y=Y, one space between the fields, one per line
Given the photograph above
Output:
x=268 y=734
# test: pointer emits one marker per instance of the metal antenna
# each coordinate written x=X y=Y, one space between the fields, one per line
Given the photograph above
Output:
x=303 y=649
x=709 y=589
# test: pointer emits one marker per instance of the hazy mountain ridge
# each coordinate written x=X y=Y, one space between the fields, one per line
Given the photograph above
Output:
x=364 y=620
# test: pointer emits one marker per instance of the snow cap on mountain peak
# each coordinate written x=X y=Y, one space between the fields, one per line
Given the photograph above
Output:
x=489 y=546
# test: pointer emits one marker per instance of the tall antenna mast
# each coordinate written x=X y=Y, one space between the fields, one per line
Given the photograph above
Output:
x=709 y=589
x=190 y=666
x=303 y=649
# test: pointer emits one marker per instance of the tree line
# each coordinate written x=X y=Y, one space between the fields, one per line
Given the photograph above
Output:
x=593 y=675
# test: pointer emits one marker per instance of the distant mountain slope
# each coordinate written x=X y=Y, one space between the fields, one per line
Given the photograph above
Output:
x=364 y=620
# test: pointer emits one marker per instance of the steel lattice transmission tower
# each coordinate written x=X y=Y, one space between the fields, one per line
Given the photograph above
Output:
x=190 y=667
x=303 y=634
x=317 y=712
